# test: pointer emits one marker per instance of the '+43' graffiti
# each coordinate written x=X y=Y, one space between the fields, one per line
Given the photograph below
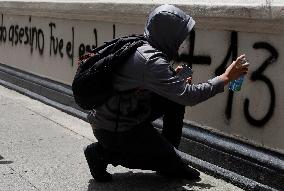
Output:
x=256 y=75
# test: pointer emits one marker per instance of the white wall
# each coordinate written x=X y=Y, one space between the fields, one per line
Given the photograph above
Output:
x=250 y=25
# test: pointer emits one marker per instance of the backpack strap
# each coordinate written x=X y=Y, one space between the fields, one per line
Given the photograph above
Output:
x=118 y=113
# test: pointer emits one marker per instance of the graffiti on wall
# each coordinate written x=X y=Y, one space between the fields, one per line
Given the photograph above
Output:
x=30 y=36
x=256 y=75
x=38 y=40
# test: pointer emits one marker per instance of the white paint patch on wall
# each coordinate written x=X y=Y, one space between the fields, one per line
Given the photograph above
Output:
x=64 y=39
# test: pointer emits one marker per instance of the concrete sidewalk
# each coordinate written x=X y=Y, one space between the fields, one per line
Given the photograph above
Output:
x=41 y=148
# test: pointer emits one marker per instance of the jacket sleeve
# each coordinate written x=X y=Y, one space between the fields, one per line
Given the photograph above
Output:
x=159 y=78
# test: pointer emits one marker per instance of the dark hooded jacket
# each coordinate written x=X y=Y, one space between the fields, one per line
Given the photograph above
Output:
x=148 y=71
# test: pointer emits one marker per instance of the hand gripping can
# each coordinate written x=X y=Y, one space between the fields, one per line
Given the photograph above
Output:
x=235 y=85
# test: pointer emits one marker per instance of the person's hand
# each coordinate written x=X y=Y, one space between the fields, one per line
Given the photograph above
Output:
x=188 y=80
x=235 y=70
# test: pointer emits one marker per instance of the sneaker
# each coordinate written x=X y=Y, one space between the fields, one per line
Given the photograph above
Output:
x=190 y=174
x=97 y=163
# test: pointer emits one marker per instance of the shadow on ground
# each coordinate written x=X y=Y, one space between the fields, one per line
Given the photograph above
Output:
x=4 y=162
x=146 y=182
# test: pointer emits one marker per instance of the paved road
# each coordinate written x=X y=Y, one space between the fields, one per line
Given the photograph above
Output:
x=41 y=149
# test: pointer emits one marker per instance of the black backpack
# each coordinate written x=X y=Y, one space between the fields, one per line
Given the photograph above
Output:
x=92 y=84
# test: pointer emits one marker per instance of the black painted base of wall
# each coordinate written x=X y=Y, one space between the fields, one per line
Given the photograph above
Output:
x=247 y=166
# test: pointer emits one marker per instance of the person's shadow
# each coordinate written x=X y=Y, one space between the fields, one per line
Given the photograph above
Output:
x=130 y=181
x=4 y=162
